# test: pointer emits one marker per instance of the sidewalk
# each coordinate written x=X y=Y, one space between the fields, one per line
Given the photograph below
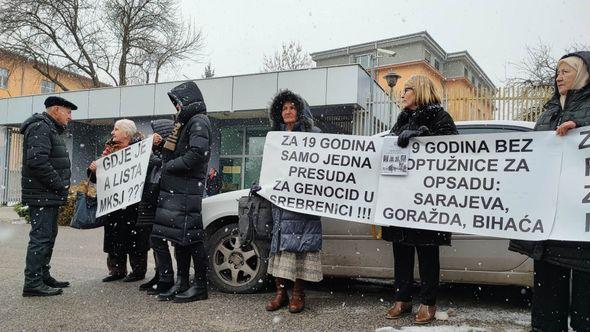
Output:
x=7 y=213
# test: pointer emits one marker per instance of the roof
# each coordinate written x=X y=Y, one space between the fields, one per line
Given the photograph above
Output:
x=401 y=40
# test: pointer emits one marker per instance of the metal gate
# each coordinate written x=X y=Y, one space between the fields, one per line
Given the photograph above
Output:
x=10 y=179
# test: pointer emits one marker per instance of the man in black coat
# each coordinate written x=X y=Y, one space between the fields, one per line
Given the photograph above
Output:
x=45 y=182
x=185 y=157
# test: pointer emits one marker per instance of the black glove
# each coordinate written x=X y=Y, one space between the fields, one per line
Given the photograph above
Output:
x=404 y=138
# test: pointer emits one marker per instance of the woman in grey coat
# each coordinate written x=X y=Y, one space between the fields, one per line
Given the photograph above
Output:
x=297 y=238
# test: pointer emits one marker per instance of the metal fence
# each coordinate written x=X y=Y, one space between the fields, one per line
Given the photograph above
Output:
x=505 y=103
x=11 y=190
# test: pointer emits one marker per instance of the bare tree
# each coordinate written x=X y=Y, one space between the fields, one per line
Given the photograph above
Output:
x=209 y=71
x=71 y=35
x=537 y=69
x=290 y=56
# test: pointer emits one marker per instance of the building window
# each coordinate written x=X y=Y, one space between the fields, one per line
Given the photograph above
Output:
x=240 y=156
x=3 y=78
x=436 y=64
x=466 y=72
x=365 y=60
x=47 y=86
x=427 y=56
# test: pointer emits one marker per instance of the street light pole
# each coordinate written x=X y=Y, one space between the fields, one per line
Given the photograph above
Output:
x=391 y=78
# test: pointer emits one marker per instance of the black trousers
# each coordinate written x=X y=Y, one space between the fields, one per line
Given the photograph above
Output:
x=117 y=263
x=41 y=241
x=183 y=259
x=163 y=259
x=551 y=298
x=403 y=270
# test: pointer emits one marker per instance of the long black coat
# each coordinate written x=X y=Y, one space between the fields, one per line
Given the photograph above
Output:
x=570 y=254
x=46 y=162
x=439 y=122
x=151 y=188
x=178 y=217
x=293 y=231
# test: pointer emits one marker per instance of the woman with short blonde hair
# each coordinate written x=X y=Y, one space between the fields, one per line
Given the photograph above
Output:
x=422 y=115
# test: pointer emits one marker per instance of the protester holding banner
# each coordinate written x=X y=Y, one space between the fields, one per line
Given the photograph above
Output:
x=185 y=158
x=559 y=263
x=422 y=115
x=297 y=238
x=121 y=236
x=164 y=277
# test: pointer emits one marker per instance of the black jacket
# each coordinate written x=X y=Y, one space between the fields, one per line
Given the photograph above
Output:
x=151 y=188
x=178 y=216
x=293 y=231
x=46 y=162
x=439 y=122
x=570 y=254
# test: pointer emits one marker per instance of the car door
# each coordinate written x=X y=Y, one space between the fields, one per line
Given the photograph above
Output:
x=351 y=249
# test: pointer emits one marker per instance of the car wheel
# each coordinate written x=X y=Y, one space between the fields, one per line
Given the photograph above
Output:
x=233 y=268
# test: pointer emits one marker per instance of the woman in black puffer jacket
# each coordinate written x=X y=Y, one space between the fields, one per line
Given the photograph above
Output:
x=559 y=263
x=185 y=157
x=297 y=238
x=422 y=115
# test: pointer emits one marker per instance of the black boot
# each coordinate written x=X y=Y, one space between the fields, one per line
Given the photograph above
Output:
x=180 y=286
x=183 y=261
x=161 y=287
x=150 y=284
x=198 y=291
x=42 y=290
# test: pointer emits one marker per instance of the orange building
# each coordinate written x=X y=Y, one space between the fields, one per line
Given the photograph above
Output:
x=18 y=77
x=457 y=76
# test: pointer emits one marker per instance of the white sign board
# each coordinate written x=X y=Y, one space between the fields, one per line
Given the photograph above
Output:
x=120 y=177
x=529 y=185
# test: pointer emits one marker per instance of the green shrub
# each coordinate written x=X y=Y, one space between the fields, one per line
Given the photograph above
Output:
x=22 y=211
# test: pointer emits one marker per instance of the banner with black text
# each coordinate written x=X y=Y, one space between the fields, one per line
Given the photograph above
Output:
x=120 y=176
x=528 y=185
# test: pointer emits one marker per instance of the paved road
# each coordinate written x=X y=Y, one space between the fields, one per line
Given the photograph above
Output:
x=333 y=305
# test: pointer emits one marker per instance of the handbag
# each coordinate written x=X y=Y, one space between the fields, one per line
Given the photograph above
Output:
x=255 y=219
x=85 y=209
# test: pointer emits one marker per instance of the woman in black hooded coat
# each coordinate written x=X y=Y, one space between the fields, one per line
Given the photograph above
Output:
x=422 y=115
x=561 y=263
x=185 y=157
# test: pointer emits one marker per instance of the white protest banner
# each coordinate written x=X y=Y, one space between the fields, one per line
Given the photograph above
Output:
x=502 y=185
x=322 y=174
x=120 y=177
x=572 y=221
x=532 y=185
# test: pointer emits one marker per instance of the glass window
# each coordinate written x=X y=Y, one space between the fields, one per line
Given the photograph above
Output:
x=231 y=173
x=232 y=141
x=466 y=72
x=255 y=139
x=47 y=86
x=3 y=78
x=427 y=56
x=253 y=165
x=436 y=64
x=365 y=61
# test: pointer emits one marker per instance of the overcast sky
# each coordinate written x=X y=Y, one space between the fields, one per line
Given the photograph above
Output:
x=239 y=33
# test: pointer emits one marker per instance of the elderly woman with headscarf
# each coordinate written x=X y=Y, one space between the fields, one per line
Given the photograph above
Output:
x=297 y=238
x=559 y=264
x=121 y=236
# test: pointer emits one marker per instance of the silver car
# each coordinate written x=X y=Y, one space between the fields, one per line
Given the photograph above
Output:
x=352 y=250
